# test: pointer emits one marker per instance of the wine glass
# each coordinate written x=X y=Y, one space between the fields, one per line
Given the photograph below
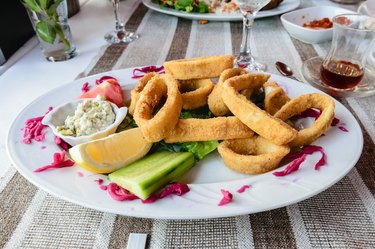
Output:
x=249 y=9
x=119 y=35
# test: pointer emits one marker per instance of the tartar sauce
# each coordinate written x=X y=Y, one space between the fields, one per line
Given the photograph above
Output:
x=91 y=115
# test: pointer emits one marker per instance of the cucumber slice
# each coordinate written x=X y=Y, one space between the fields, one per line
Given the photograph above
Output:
x=151 y=173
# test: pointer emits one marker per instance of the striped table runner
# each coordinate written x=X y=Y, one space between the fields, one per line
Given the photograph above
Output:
x=341 y=217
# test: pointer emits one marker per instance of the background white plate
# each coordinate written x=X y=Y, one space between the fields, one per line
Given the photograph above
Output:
x=367 y=8
x=206 y=179
x=285 y=6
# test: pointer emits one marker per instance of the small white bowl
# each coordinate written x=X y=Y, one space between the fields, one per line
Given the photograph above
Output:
x=294 y=20
x=57 y=117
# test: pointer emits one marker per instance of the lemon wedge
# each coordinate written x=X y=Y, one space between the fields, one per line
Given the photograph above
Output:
x=108 y=154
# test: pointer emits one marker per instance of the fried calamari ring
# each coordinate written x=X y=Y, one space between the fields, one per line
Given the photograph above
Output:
x=199 y=67
x=254 y=155
x=301 y=103
x=155 y=128
x=195 y=92
x=251 y=115
x=135 y=93
x=275 y=97
x=220 y=128
x=215 y=100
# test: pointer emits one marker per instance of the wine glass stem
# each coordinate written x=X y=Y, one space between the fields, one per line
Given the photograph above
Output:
x=116 y=5
x=248 y=20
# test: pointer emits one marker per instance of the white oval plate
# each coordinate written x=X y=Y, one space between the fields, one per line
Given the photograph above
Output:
x=285 y=6
x=206 y=179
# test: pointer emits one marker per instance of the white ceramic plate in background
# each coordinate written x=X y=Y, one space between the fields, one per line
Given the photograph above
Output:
x=367 y=8
x=294 y=20
x=285 y=6
x=206 y=179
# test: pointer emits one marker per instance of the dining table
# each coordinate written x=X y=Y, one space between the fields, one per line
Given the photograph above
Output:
x=339 y=216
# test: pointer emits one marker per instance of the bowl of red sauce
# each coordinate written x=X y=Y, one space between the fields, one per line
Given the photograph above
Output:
x=313 y=24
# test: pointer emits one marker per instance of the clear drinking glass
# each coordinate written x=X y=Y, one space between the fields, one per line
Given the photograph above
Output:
x=344 y=65
x=119 y=35
x=52 y=30
x=249 y=9
x=344 y=71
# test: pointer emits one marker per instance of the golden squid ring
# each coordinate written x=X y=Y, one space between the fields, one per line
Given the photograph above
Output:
x=215 y=100
x=195 y=92
x=136 y=92
x=258 y=120
x=156 y=127
x=301 y=103
x=220 y=128
x=275 y=97
x=199 y=67
x=253 y=155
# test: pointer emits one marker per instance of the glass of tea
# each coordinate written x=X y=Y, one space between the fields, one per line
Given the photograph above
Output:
x=352 y=41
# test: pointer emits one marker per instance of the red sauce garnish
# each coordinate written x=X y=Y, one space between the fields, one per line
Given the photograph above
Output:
x=323 y=23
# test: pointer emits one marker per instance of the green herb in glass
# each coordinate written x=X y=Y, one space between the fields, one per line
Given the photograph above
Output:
x=48 y=27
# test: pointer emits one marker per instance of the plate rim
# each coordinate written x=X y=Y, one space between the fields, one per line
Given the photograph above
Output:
x=218 y=17
x=223 y=213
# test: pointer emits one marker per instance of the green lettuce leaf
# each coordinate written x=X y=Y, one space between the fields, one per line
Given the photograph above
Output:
x=200 y=149
x=184 y=5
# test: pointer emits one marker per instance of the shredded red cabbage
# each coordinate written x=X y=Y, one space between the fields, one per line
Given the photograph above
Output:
x=62 y=144
x=140 y=72
x=175 y=189
x=312 y=113
x=85 y=87
x=335 y=121
x=309 y=113
x=58 y=162
x=104 y=78
x=308 y=150
x=34 y=129
x=99 y=181
x=227 y=197
x=293 y=166
x=120 y=194
x=80 y=174
x=243 y=188
x=150 y=199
